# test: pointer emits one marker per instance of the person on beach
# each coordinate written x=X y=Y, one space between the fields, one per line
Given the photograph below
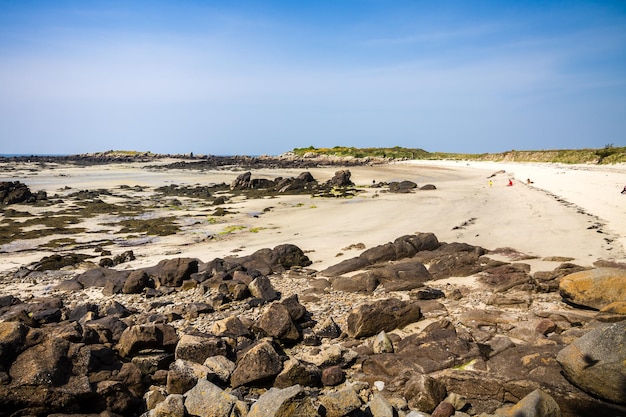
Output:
x=510 y=182
x=624 y=190
x=490 y=183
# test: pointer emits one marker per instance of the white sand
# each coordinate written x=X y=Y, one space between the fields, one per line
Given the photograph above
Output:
x=525 y=217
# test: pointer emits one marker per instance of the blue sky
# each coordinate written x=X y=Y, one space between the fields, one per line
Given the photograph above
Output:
x=264 y=77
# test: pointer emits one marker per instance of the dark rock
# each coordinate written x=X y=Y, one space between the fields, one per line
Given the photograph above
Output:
x=276 y=322
x=365 y=282
x=332 y=376
x=172 y=272
x=401 y=276
x=12 y=336
x=328 y=329
x=444 y=409
x=296 y=310
x=151 y=336
x=100 y=276
x=403 y=247
x=15 y=192
x=136 y=282
x=402 y=186
x=56 y=261
x=257 y=364
x=277 y=260
x=341 y=179
x=369 y=319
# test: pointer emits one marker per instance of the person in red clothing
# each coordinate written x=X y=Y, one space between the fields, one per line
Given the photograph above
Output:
x=510 y=182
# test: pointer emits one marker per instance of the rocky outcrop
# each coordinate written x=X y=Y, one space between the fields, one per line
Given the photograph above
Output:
x=403 y=247
x=15 y=192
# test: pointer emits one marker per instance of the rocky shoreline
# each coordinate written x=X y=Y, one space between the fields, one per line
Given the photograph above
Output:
x=198 y=162
x=266 y=335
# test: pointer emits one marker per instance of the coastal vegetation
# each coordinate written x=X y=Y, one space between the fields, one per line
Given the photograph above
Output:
x=609 y=154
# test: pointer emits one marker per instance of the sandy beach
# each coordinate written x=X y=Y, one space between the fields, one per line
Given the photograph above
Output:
x=567 y=211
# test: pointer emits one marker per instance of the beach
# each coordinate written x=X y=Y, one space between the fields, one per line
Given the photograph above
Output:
x=567 y=211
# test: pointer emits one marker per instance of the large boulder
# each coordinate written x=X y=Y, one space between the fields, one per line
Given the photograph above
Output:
x=276 y=322
x=535 y=404
x=595 y=362
x=172 y=272
x=341 y=179
x=259 y=363
x=388 y=314
x=594 y=288
x=14 y=192
x=197 y=348
x=285 y=402
x=208 y=400
x=280 y=259
x=136 y=338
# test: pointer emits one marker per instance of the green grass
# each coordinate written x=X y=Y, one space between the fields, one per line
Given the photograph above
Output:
x=609 y=154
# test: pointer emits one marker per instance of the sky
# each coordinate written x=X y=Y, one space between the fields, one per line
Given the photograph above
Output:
x=265 y=77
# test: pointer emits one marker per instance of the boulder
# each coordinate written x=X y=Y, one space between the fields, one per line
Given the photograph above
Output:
x=286 y=402
x=535 y=404
x=183 y=375
x=340 y=403
x=257 y=364
x=206 y=399
x=402 y=187
x=221 y=366
x=14 y=192
x=594 y=288
x=341 y=179
x=149 y=336
x=296 y=372
x=12 y=335
x=136 y=282
x=333 y=375
x=379 y=406
x=197 y=348
x=388 y=314
x=276 y=322
x=172 y=406
x=262 y=288
x=403 y=247
x=172 y=272
x=595 y=362
x=230 y=327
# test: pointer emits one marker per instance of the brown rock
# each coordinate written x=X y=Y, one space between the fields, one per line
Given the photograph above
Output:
x=258 y=363
x=370 y=319
x=595 y=288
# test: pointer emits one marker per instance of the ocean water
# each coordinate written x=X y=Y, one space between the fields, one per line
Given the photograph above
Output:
x=25 y=155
